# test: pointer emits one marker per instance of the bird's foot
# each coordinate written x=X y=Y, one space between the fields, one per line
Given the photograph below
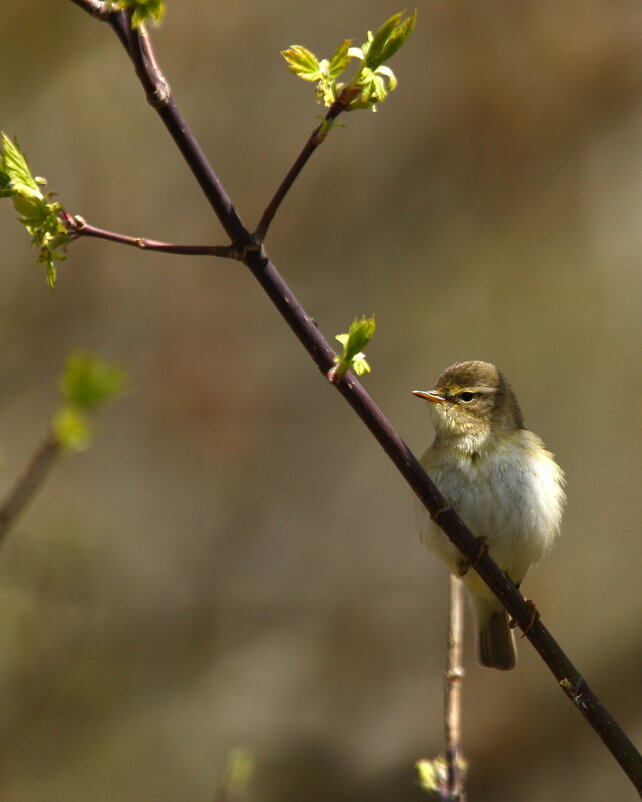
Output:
x=464 y=565
x=534 y=617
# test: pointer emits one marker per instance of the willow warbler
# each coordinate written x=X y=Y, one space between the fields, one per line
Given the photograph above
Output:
x=501 y=480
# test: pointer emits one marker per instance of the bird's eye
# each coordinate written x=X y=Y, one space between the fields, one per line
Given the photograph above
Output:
x=466 y=396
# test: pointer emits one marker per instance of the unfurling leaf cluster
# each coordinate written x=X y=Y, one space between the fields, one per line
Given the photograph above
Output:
x=86 y=384
x=354 y=342
x=372 y=80
x=39 y=214
x=143 y=10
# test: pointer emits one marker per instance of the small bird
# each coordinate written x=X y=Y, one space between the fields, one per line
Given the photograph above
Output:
x=502 y=482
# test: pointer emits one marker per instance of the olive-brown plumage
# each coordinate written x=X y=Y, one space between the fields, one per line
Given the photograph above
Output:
x=503 y=483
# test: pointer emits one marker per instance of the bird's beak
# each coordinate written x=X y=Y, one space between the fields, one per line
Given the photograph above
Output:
x=431 y=395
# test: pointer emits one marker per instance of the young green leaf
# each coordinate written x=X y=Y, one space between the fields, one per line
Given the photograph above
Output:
x=15 y=176
x=302 y=63
x=358 y=336
x=39 y=214
x=340 y=59
x=388 y=39
x=374 y=86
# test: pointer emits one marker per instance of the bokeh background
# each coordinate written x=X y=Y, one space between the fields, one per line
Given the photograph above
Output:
x=234 y=563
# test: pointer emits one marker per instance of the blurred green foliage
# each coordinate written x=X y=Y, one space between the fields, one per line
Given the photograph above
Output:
x=86 y=384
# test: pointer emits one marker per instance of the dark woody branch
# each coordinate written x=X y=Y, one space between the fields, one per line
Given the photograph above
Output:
x=291 y=176
x=253 y=255
x=136 y=43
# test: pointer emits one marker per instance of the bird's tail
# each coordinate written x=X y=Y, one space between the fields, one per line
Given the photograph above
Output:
x=494 y=643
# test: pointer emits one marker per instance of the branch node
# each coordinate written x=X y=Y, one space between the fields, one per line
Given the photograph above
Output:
x=455 y=674
x=241 y=252
x=160 y=96
x=441 y=511
x=259 y=235
x=75 y=224
x=334 y=375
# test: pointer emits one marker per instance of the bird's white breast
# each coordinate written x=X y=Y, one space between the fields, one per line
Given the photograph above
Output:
x=510 y=493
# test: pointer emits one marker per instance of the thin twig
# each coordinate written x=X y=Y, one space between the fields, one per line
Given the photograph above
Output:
x=79 y=227
x=452 y=694
x=20 y=494
x=443 y=776
x=315 y=139
x=255 y=258
x=149 y=73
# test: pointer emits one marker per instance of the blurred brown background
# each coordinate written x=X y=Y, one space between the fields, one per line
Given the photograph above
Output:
x=234 y=563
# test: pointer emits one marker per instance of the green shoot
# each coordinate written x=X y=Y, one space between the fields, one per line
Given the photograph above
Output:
x=372 y=81
x=38 y=213
x=353 y=358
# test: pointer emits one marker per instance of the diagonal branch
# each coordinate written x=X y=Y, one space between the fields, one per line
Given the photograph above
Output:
x=315 y=139
x=310 y=146
x=258 y=262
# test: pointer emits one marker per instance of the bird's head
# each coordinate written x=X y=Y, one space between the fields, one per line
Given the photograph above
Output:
x=472 y=400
